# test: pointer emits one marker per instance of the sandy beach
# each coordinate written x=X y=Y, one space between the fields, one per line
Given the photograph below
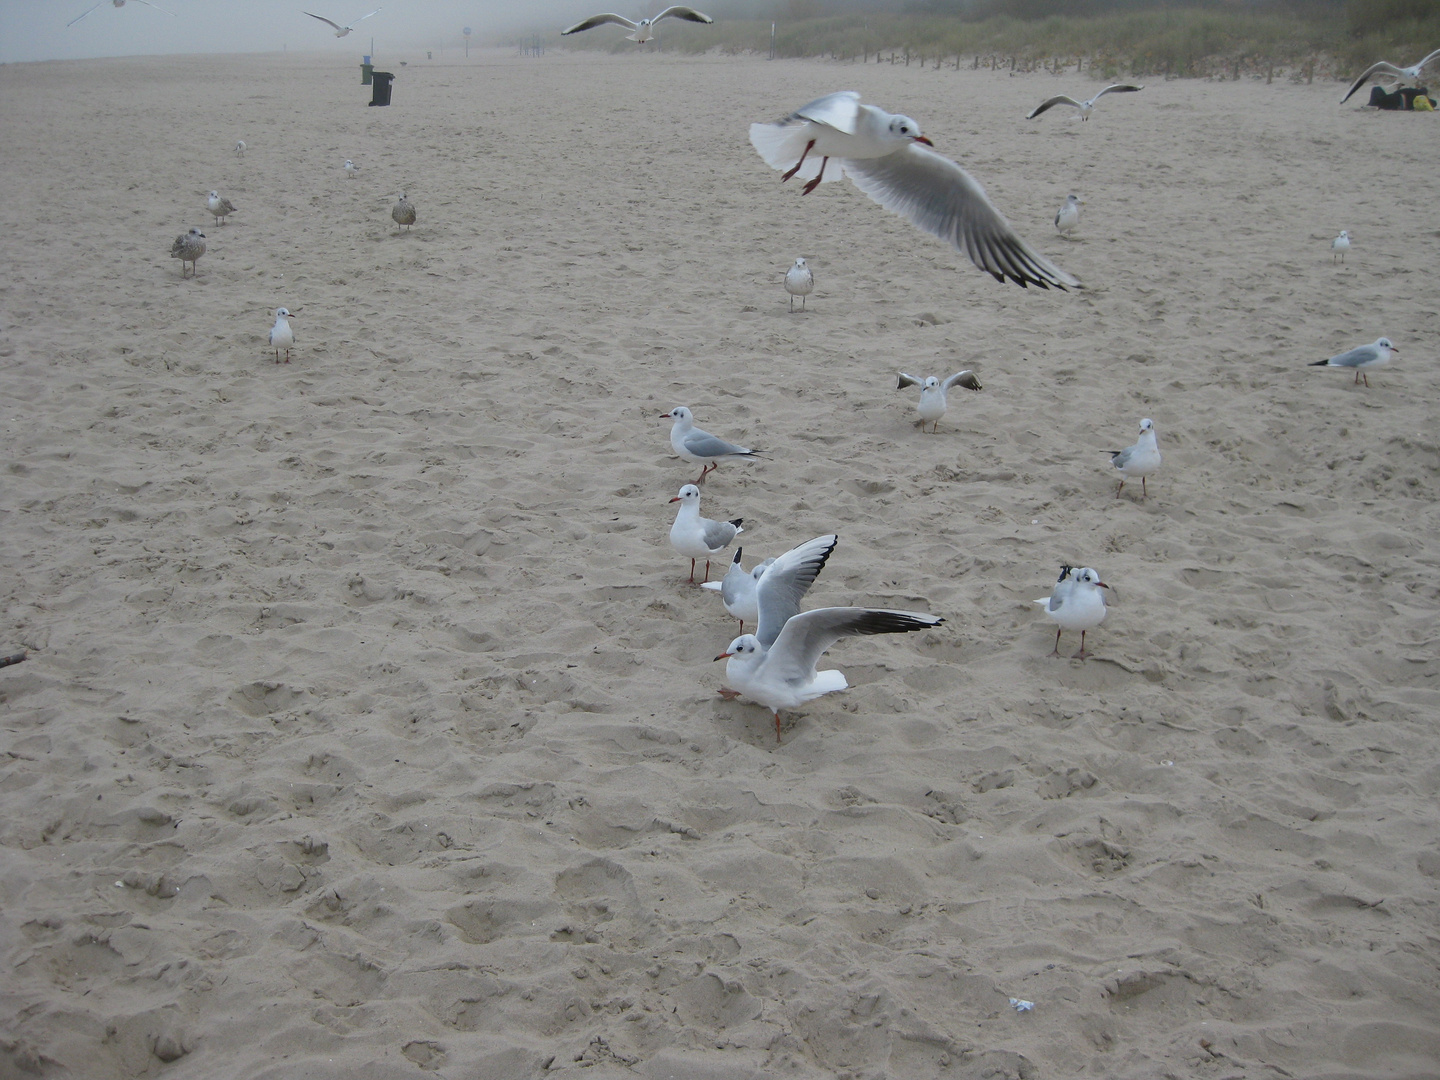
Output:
x=370 y=728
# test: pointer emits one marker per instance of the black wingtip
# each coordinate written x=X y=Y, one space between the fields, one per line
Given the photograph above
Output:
x=737 y=522
x=1318 y=363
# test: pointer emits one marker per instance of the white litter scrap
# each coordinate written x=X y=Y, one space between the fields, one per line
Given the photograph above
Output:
x=1021 y=1006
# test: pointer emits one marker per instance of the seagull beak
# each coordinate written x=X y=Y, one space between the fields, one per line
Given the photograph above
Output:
x=665 y=416
x=1102 y=585
x=675 y=499
x=722 y=656
x=922 y=138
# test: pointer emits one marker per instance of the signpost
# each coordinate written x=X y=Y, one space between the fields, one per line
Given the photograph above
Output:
x=466 y=32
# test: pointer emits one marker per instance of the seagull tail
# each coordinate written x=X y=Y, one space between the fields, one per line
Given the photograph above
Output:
x=1319 y=363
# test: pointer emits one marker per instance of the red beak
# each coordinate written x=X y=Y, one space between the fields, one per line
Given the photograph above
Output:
x=922 y=138
x=722 y=656
x=665 y=416
x=675 y=499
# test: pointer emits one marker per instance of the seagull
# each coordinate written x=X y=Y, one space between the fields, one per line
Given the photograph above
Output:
x=188 y=248
x=698 y=537
x=799 y=281
x=1075 y=603
x=1140 y=459
x=1085 y=107
x=642 y=31
x=240 y=148
x=692 y=444
x=888 y=159
x=1361 y=358
x=281 y=336
x=1339 y=246
x=340 y=31
x=403 y=213
x=737 y=589
x=351 y=169
x=118 y=4
x=1067 y=220
x=1384 y=70
x=932 y=394
x=220 y=208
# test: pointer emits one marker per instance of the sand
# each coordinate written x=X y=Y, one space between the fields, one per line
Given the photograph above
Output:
x=370 y=727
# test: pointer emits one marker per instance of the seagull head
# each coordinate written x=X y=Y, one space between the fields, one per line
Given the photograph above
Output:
x=679 y=412
x=902 y=127
x=1146 y=425
x=1088 y=576
x=196 y=232
x=800 y=263
x=1386 y=343
x=214 y=194
x=932 y=382
x=282 y=313
x=744 y=645
x=688 y=493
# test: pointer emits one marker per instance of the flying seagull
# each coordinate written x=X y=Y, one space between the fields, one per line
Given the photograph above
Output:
x=641 y=32
x=1085 y=107
x=1381 y=69
x=118 y=4
x=340 y=31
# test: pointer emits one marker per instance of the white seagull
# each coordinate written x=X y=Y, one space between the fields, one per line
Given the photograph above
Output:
x=1340 y=245
x=693 y=444
x=1139 y=459
x=220 y=208
x=1075 y=603
x=281 y=336
x=642 y=31
x=189 y=248
x=240 y=148
x=1362 y=358
x=888 y=159
x=932 y=394
x=118 y=4
x=340 y=31
x=781 y=674
x=737 y=589
x=698 y=537
x=795 y=572
x=351 y=169
x=1067 y=219
x=1085 y=107
x=1383 y=69
x=799 y=281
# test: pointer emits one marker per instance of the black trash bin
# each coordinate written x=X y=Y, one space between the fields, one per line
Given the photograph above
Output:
x=380 y=87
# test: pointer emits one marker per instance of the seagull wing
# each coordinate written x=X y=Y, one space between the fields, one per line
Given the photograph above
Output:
x=1060 y=99
x=676 y=11
x=1116 y=88
x=719 y=533
x=157 y=7
x=1363 y=354
x=840 y=110
x=966 y=379
x=785 y=582
x=82 y=15
x=364 y=17
x=908 y=380
x=322 y=18
x=704 y=445
x=798 y=648
x=944 y=200
x=601 y=20
x=1383 y=67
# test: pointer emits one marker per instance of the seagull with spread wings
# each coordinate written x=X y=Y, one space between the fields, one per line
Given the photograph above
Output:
x=642 y=31
x=1085 y=107
x=1383 y=69
x=340 y=31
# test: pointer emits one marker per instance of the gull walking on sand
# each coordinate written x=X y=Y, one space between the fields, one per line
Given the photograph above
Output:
x=1339 y=246
x=1085 y=107
x=799 y=281
x=737 y=589
x=340 y=31
x=1075 y=603
x=932 y=394
x=1139 y=459
x=403 y=213
x=1386 y=71
x=188 y=249
x=642 y=31
x=281 y=336
x=887 y=158
x=1067 y=220
x=220 y=208
x=119 y=4
x=1362 y=358
x=693 y=444
x=240 y=148
x=351 y=169
x=698 y=537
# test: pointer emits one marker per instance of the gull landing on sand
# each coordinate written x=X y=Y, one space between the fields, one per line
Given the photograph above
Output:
x=737 y=589
x=1384 y=70
x=932 y=394
x=1085 y=107
x=340 y=31
x=1361 y=358
x=888 y=159
x=799 y=281
x=644 y=30
x=281 y=336
x=698 y=537
x=1140 y=459
x=692 y=444
x=220 y=208
x=779 y=601
x=1075 y=603
x=119 y=4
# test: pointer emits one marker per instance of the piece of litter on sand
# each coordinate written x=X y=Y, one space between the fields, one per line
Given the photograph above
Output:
x=1021 y=1006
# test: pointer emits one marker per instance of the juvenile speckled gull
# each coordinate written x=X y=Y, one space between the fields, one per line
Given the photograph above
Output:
x=403 y=213
x=693 y=444
x=1085 y=107
x=644 y=30
x=188 y=248
x=888 y=159
x=1340 y=245
x=799 y=281
x=1075 y=603
x=737 y=589
x=340 y=31
x=281 y=336
x=933 y=402
x=1362 y=358
x=220 y=208
x=1385 y=70
x=1067 y=219
x=1140 y=459
x=118 y=4
x=698 y=537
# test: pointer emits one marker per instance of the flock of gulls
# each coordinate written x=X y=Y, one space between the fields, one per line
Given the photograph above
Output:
x=890 y=160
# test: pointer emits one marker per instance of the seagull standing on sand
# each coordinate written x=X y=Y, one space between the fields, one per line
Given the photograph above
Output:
x=693 y=444
x=932 y=394
x=188 y=248
x=220 y=208
x=1140 y=459
x=119 y=4
x=403 y=213
x=1085 y=107
x=799 y=281
x=642 y=31
x=775 y=666
x=340 y=31
x=1339 y=246
x=1075 y=603
x=1387 y=71
x=698 y=537
x=737 y=589
x=888 y=159
x=240 y=148
x=351 y=169
x=1362 y=358
x=281 y=336
x=1067 y=220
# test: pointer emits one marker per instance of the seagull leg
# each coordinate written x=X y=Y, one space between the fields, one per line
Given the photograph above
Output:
x=707 y=571
x=813 y=184
x=1122 y=484
x=1143 y=492
x=1056 y=651
x=692 y=571
x=728 y=694
x=706 y=471
x=777 y=729
x=796 y=169
x=1082 y=654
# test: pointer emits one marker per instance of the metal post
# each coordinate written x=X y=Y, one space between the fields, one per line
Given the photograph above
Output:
x=772 y=41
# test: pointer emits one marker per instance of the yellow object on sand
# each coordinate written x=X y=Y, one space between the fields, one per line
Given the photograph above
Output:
x=1423 y=104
